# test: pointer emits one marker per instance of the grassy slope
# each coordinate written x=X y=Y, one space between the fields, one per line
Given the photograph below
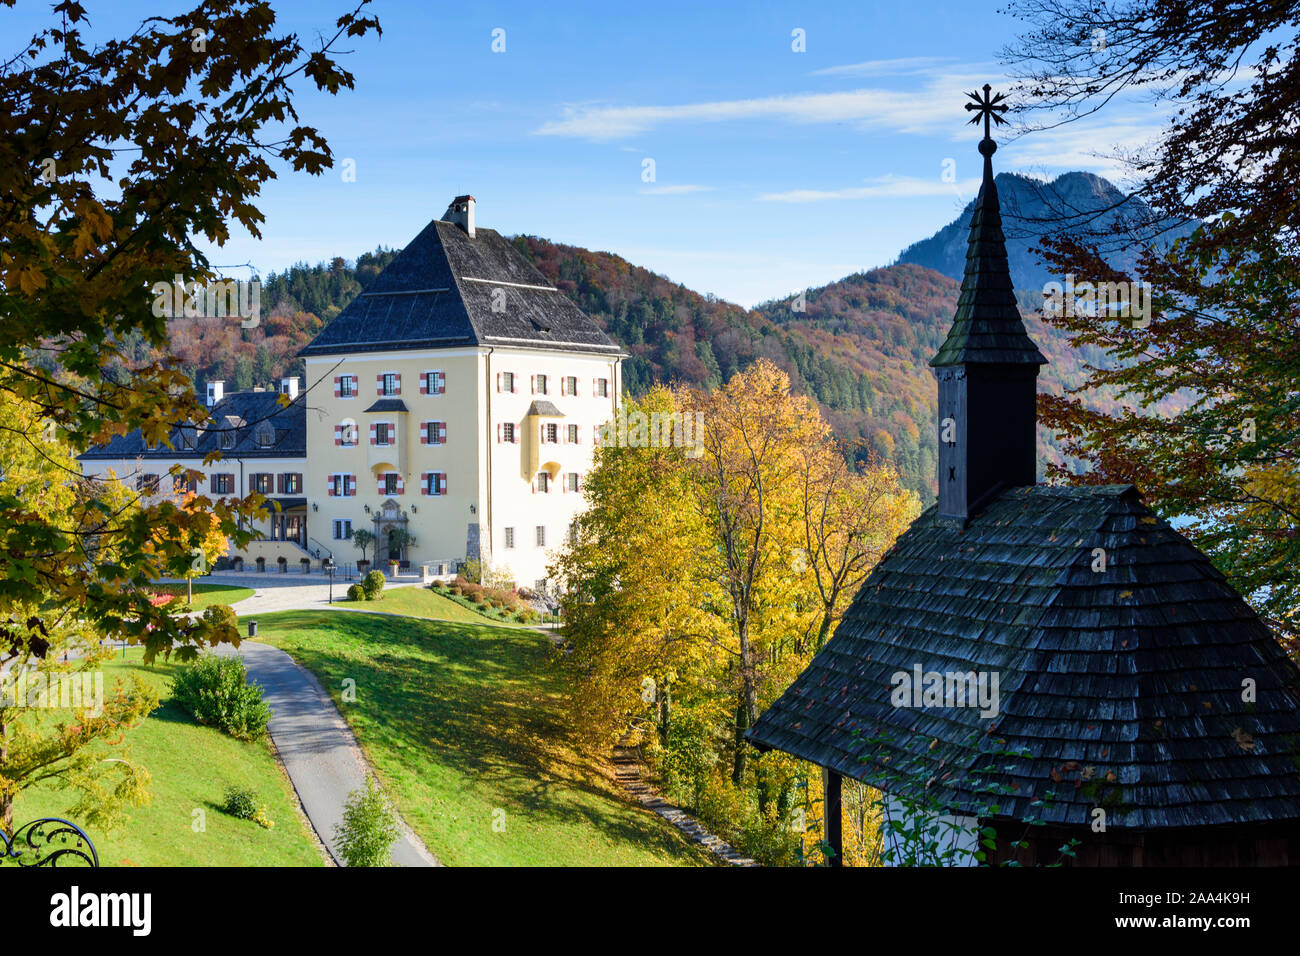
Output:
x=206 y=594
x=191 y=768
x=466 y=719
x=421 y=602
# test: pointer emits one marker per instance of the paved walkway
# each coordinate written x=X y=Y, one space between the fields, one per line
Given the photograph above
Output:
x=285 y=592
x=318 y=749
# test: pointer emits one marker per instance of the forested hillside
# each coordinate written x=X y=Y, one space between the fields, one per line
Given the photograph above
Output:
x=861 y=346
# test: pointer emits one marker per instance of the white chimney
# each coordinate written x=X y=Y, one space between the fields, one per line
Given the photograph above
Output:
x=289 y=386
x=461 y=212
x=216 y=390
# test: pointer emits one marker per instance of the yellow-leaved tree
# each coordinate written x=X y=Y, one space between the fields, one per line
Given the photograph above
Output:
x=634 y=585
x=59 y=724
x=702 y=579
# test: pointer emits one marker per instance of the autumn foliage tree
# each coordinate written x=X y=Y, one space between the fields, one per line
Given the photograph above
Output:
x=697 y=586
x=45 y=645
x=116 y=159
x=635 y=586
x=1225 y=328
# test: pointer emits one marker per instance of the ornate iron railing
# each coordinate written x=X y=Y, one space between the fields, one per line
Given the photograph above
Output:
x=48 y=841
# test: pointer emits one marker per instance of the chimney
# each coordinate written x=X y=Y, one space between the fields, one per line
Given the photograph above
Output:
x=216 y=390
x=289 y=386
x=987 y=371
x=461 y=212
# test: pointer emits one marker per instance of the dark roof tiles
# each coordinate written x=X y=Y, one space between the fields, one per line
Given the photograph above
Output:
x=987 y=328
x=446 y=289
x=1136 y=672
x=243 y=414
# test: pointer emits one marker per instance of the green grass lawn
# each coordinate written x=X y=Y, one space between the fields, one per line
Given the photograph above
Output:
x=191 y=767
x=467 y=725
x=205 y=595
x=422 y=602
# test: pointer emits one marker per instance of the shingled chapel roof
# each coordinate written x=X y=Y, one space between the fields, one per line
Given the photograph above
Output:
x=1122 y=687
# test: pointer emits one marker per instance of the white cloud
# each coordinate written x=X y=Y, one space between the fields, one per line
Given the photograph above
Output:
x=926 y=110
x=676 y=190
x=1088 y=145
x=900 y=66
x=884 y=187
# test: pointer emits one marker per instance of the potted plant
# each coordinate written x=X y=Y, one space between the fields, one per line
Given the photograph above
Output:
x=399 y=539
x=363 y=539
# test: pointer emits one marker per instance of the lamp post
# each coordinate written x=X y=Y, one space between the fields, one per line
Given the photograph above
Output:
x=329 y=566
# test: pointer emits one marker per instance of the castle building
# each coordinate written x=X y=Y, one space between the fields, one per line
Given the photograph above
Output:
x=451 y=409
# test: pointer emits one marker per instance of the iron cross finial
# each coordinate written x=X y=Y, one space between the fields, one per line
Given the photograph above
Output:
x=987 y=107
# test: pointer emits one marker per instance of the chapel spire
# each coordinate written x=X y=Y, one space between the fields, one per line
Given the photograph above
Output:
x=988 y=365
x=987 y=326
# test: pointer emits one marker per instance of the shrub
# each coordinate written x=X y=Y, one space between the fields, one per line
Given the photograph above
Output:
x=356 y=593
x=373 y=585
x=241 y=802
x=221 y=616
x=499 y=580
x=369 y=828
x=473 y=572
x=438 y=584
x=690 y=755
x=217 y=692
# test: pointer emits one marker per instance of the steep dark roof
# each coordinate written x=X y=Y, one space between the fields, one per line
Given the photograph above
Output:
x=541 y=407
x=388 y=405
x=241 y=411
x=438 y=293
x=1135 y=672
x=987 y=328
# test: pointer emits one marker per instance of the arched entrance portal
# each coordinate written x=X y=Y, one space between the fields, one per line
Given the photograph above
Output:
x=390 y=518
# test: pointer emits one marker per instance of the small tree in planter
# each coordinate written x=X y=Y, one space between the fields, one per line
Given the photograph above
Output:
x=399 y=539
x=363 y=539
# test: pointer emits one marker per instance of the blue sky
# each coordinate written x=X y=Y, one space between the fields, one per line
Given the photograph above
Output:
x=774 y=170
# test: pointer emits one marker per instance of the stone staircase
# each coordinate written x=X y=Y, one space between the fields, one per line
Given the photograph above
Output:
x=629 y=772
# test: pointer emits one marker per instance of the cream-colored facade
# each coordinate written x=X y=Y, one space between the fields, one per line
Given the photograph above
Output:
x=284 y=542
x=457 y=399
x=466 y=456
